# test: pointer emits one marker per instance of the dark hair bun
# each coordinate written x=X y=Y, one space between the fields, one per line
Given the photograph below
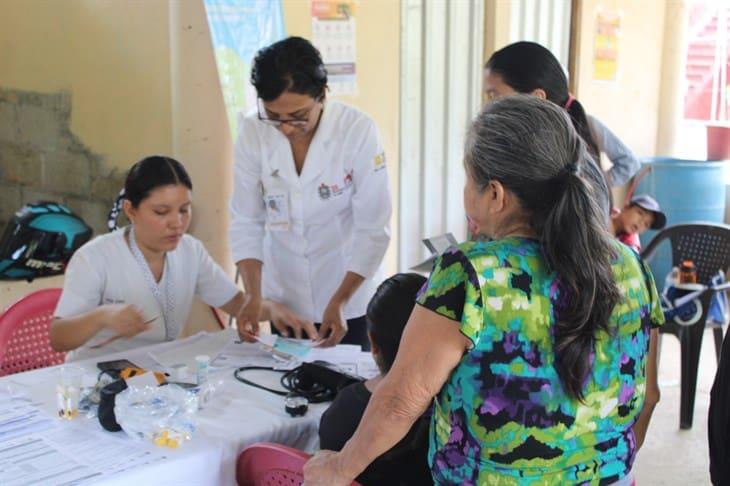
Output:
x=152 y=172
x=292 y=64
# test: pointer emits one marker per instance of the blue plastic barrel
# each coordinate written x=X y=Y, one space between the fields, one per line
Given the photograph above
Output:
x=688 y=191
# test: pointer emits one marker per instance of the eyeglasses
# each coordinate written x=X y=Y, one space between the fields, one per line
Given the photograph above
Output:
x=298 y=122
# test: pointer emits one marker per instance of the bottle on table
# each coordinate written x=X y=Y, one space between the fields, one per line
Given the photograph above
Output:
x=687 y=272
x=202 y=367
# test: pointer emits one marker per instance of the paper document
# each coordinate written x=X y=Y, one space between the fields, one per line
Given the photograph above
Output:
x=294 y=348
x=286 y=353
x=366 y=366
x=33 y=460
x=103 y=452
x=288 y=348
x=307 y=350
x=18 y=418
x=342 y=353
x=70 y=455
x=209 y=344
x=237 y=354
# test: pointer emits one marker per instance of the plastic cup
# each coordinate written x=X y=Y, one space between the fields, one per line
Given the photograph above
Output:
x=68 y=392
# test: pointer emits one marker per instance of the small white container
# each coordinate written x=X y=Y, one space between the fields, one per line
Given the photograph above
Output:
x=202 y=366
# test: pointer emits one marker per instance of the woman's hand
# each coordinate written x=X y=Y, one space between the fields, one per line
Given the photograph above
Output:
x=247 y=319
x=284 y=320
x=125 y=320
x=334 y=326
x=324 y=469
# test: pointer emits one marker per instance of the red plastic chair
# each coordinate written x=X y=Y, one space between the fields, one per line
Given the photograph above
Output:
x=24 y=328
x=268 y=464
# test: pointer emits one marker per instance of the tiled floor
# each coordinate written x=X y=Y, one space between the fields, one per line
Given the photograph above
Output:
x=671 y=456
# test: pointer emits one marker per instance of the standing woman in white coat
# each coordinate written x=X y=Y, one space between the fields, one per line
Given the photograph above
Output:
x=311 y=205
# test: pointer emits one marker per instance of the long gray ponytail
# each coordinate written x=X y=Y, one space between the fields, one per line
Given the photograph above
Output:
x=532 y=148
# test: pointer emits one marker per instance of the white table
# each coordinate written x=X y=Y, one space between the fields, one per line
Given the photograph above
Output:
x=239 y=415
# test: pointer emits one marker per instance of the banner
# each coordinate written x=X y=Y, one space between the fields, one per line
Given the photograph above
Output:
x=605 y=47
x=239 y=28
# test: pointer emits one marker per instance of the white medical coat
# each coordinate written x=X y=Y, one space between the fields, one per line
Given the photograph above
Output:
x=104 y=271
x=339 y=209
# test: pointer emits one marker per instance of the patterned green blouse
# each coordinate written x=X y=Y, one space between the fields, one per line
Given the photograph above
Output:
x=503 y=417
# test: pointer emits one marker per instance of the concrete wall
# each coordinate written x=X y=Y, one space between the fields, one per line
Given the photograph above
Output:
x=110 y=58
x=41 y=159
x=82 y=96
x=85 y=93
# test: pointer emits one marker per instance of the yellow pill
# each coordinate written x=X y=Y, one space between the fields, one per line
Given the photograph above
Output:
x=160 y=441
x=172 y=444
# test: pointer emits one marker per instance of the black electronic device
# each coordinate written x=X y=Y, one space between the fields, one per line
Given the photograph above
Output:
x=295 y=405
x=327 y=374
x=115 y=367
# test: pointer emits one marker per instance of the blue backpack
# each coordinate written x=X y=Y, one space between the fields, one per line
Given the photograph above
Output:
x=39 y=241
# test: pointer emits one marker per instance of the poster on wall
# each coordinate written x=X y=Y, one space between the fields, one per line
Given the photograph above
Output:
x=605 y=48
x=333 y=33
x=238 y=29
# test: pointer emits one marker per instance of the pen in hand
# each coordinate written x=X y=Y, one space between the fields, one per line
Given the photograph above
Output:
x=114 y=338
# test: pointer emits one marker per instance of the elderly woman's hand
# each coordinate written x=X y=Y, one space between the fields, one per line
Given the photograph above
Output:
x=324 y=469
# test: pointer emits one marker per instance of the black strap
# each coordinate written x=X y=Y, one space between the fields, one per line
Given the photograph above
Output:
x=237 y=375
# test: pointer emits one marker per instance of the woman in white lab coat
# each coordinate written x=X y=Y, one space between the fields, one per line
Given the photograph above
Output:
x=134 y=287
x=311 y=203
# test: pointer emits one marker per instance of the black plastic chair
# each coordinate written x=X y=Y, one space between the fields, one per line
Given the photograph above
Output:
x=708 y=246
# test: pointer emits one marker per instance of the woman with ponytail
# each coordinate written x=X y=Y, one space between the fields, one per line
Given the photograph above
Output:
x=535 y=343
x=527 y=67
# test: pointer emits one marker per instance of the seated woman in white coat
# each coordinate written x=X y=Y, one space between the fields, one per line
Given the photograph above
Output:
x=311 y=203
x=134 y=287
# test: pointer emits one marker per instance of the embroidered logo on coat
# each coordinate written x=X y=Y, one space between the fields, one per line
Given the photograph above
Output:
x=324 y=191
x=379 y=161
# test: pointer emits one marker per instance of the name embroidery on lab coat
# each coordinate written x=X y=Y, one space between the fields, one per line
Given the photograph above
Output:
x=325 y=191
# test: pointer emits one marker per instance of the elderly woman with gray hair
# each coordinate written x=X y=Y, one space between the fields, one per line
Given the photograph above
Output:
x=533 y=347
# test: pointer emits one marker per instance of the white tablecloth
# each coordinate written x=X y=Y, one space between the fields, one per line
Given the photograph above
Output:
x=238 y=416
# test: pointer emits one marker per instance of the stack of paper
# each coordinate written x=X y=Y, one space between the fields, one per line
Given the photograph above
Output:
x=208 y=344
x=286 y=353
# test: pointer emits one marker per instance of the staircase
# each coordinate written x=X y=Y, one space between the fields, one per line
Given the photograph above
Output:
x=701 y=51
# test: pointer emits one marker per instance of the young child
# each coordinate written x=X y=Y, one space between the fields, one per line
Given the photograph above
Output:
x=641 y=214
x=406 y=463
